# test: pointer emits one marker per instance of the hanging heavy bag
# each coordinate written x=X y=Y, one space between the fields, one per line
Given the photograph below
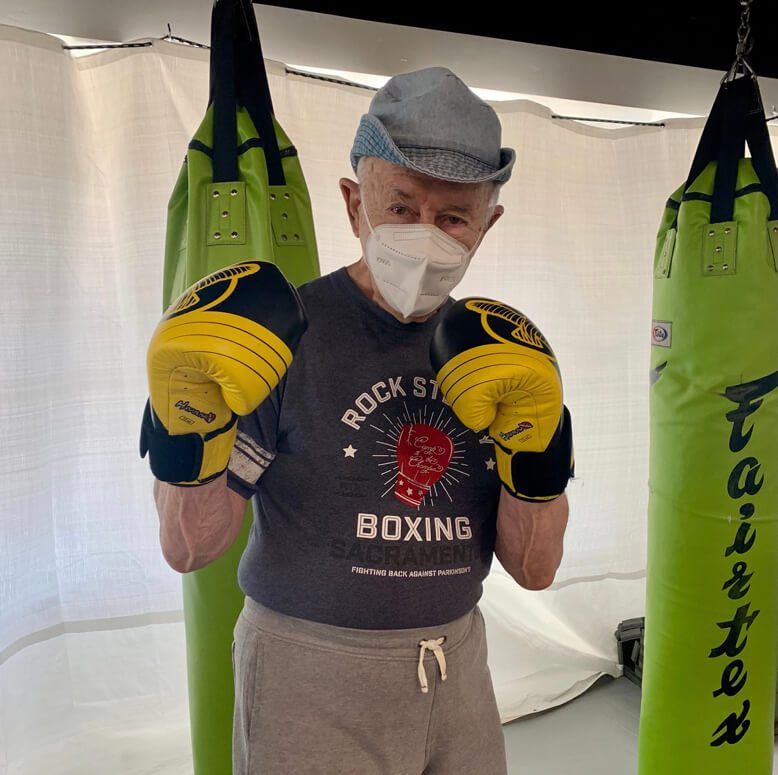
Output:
x=709 y=670
x=240 y=196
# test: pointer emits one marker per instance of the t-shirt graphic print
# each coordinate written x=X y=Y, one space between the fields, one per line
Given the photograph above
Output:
x=374 y=506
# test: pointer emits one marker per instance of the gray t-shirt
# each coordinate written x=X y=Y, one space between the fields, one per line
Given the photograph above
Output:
x=374 y=507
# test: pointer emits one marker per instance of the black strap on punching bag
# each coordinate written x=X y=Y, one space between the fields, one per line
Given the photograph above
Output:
x=762 y=156
x=238 y=78
x=222 y=93
x=737 y=118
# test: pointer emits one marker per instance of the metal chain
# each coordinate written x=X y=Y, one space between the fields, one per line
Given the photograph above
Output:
x=745 y=44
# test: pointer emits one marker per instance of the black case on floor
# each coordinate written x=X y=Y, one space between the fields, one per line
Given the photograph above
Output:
x=629 y=637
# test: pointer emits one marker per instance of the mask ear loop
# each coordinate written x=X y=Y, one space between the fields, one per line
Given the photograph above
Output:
x=367 y=217
x=479 y=240
x=482 y=234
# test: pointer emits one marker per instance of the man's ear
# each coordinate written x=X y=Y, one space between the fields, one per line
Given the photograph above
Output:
x=496 y=215
x=352 y=197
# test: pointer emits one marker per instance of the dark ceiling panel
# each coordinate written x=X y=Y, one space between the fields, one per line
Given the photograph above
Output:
x=698 y=33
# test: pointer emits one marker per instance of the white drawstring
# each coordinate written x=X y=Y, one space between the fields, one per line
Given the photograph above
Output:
x=434 y=646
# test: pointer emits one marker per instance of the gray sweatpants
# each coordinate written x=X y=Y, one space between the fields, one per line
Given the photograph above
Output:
x=313 y=699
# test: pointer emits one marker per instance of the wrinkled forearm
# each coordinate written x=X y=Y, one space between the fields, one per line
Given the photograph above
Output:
x=197 y=524
x=530 y=539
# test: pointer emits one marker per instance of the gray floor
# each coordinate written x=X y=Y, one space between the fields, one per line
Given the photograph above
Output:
x=595 y=734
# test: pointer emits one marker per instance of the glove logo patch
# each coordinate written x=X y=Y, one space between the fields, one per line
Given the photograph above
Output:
x=423 y=456
x=508 y=325
x=185 y=406
x=520 y=428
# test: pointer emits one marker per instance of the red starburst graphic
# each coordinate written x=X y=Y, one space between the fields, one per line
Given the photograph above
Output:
x=398 y=437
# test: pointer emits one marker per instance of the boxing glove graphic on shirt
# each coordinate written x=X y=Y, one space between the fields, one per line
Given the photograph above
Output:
x=423 y=455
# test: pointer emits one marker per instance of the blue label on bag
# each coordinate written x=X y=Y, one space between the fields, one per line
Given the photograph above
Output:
x=661 y=333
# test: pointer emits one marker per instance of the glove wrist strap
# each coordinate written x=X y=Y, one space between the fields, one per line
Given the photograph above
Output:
x=189 y=459
x=537 y=477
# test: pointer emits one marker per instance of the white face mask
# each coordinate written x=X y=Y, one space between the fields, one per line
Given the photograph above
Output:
x=415 y=265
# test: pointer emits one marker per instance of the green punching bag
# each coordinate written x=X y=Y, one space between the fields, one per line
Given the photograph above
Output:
x=240 y=195
x=709 y=671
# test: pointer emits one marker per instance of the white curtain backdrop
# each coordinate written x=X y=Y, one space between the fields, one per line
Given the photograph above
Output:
x=92 y=660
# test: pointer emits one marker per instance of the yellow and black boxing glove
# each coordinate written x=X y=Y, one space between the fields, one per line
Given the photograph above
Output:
x=218 y=352
x=497 y=372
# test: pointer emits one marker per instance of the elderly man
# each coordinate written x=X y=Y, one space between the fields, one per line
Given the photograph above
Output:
x=377 y=510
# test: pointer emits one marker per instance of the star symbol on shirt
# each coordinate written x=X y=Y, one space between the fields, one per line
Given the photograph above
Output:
x=490 y=463
x=349 y=451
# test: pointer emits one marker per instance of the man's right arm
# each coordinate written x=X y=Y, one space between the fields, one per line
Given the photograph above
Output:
x=219 y=378
x=197 y=524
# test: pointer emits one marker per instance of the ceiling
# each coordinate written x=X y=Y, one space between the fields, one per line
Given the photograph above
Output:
x=653 y=56
x=697 y=33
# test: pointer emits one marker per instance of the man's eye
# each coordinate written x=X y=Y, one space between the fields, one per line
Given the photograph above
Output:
x=453 y=220
x=398 y=209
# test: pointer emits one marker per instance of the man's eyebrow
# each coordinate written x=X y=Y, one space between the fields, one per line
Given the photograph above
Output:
x=400 y=194
x=458 y=209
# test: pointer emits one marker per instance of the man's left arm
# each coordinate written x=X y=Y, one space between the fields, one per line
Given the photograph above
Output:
x=530 y=538
x=498 y=373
